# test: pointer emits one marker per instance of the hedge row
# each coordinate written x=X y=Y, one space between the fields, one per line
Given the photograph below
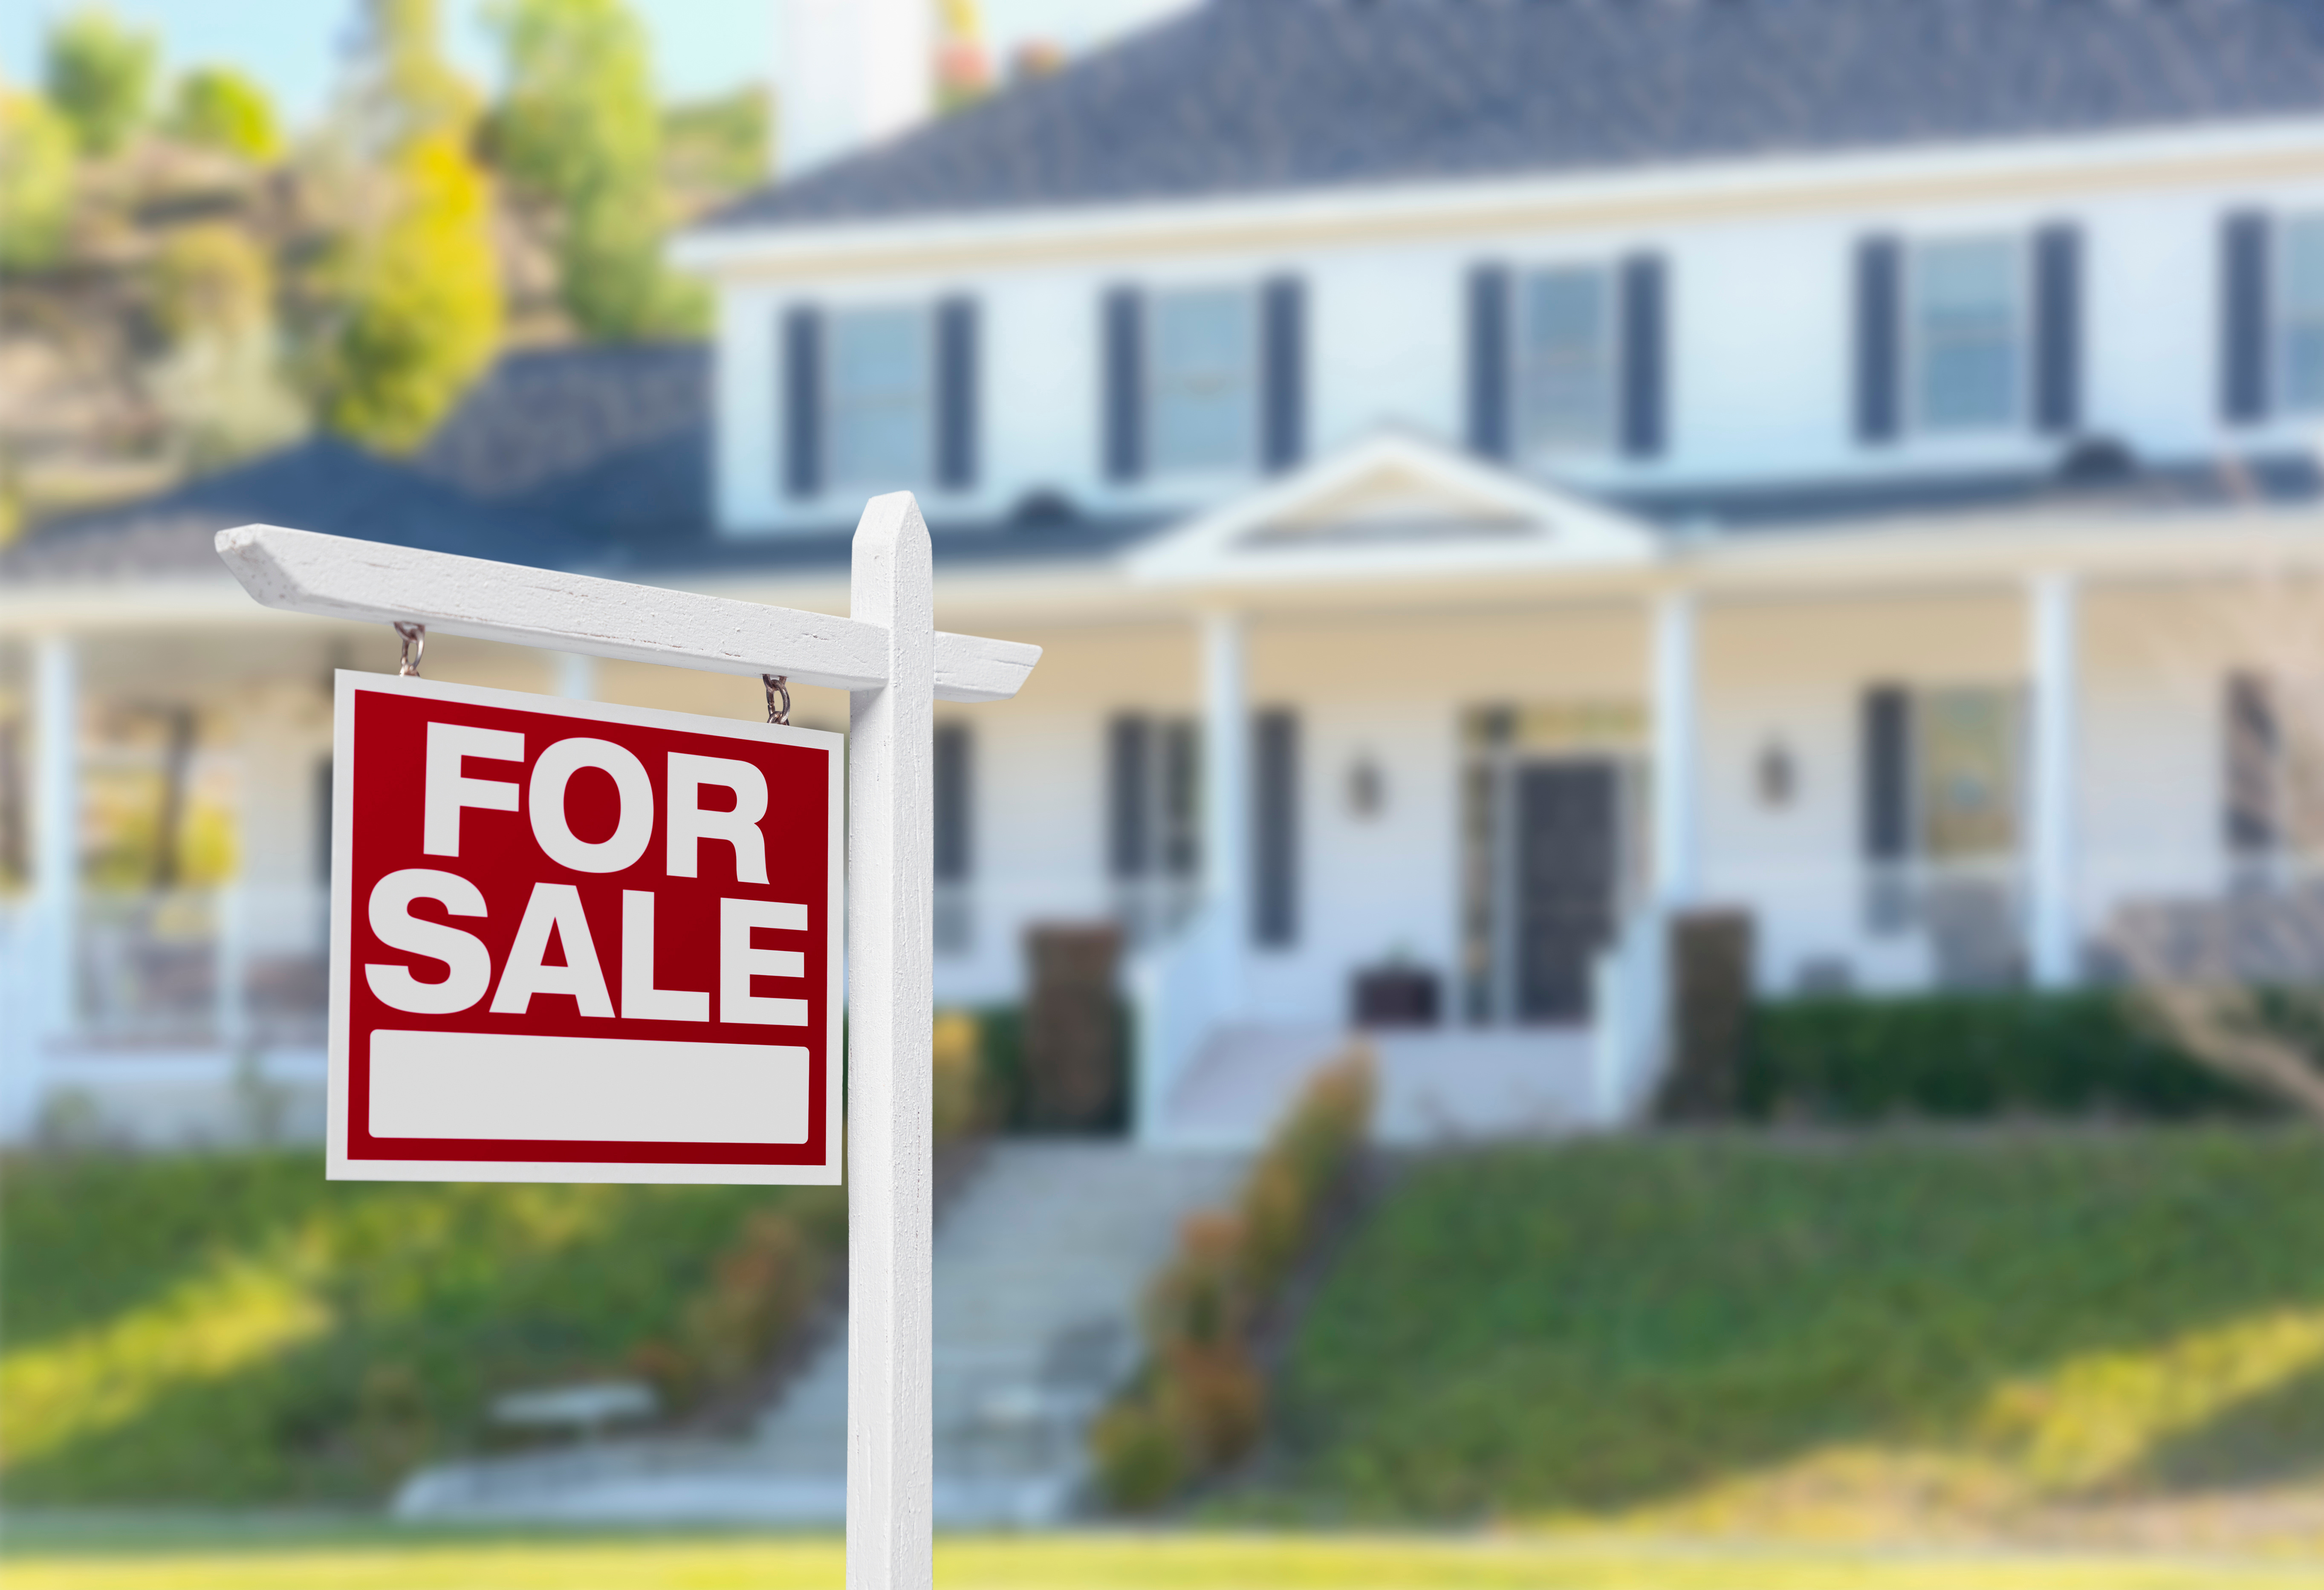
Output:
x=1974 y=1056
x=1199 y=1406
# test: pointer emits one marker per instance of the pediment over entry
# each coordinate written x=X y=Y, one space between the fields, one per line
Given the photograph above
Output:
x=1394 y=506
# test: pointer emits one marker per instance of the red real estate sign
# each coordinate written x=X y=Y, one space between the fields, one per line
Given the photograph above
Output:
x=574 y=942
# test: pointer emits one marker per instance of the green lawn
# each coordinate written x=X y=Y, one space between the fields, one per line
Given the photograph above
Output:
x=1092 y=1562
x=1884 y=1337
x=232 y=1328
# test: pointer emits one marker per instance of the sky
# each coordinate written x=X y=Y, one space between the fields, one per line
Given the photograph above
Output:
x=701 y=47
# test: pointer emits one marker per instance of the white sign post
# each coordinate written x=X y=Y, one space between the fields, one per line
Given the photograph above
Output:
x=889 y=657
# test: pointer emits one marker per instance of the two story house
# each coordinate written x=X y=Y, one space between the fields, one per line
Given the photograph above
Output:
x=1488 y=476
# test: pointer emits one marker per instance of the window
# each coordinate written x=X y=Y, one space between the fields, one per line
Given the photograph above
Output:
x=1566 y=361
x=1154 y=829
x=1201 y=392
x=877 y=398
x=1967 y=787
x=1967 y=330
x=2300 y=321
x=2271 y=777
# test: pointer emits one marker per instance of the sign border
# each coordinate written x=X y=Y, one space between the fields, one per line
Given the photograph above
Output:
x=345 y=684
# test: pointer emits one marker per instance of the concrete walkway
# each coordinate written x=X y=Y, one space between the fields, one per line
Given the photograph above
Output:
x=1040 y=1266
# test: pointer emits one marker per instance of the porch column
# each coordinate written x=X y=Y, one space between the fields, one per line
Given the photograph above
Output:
x=2053 y=647
x=1226 y=801
x=1675 y=861
x=576 y=676
x=55 y=827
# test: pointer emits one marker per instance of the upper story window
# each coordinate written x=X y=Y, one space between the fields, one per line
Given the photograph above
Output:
x=1201 y=388
x=1967 y=335
x=1565 y=360
x=2300 y=323
x=1569 y=359
x=1969 y=332
x=1203 y=379
x=876 y=397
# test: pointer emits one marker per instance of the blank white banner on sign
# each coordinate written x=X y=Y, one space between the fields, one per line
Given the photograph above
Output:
x=471 y=1085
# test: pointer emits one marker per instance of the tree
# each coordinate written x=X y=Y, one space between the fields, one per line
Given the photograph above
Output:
x=221 y=108
x=402 y=87
x=424 y=312
x=416 y=278
x=579 y=128
x=221 y=381
x=100 y=77
x=35 y=181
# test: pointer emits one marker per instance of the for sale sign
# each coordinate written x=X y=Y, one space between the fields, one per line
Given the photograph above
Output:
x=574 y=942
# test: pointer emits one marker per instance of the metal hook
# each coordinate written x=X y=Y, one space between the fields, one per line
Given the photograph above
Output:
x=414 y=637
x=778 y=685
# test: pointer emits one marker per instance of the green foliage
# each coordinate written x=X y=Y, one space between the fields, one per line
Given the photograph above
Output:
x=113 y=1552
x=1724 y=1328
x=712 y=149
x=1973 y=1056
x=211 y=278
x=234 y=1329
x=404 y=90
x=1200 y=1406
x=223 y=109
x=100 y=77
x=579 y=127
x=36 y=181
x=423 y=297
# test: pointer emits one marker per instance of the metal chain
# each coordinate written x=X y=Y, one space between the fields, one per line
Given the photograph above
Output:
x=778 y=685
x=414 y=637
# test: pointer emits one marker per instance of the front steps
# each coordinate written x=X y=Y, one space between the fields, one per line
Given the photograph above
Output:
x=1437 y=1086
x=1040 y=1265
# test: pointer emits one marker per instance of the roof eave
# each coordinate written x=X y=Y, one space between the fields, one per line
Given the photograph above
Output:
x=2171 y=154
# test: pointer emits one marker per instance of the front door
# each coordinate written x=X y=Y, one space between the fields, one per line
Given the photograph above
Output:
x=1566 y=869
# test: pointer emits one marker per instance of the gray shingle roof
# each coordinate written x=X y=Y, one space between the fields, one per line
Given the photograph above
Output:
x=322 y=484
x=1257 y=95
x=608 y=443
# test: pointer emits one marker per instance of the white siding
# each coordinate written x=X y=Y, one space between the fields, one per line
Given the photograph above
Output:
x=1760 y=332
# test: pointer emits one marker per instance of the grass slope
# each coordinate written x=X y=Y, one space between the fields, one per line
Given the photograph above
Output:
x=232 y=1328
x=1856 y=1336
x=1093 y=1562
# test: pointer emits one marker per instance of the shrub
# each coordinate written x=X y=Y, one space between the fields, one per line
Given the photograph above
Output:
x=1201 y=1405
x=1141 y=1460
x=957 y=1058
x=1971 y=1056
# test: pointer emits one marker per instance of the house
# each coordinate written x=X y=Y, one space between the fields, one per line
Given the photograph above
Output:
x=1488 y=476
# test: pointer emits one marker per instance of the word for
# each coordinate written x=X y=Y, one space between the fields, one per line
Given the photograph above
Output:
x=556 y=907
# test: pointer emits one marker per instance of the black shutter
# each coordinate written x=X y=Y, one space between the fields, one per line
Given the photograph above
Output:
x=1879 y=338
x=2251 y=818
x=1275 y=830
x=1887 y=773
x=1284 y=337
x=1488 y=360
x=951 y=793
x=1643 y=362
x=803 y=402
x=957 y=394
x=1131 y=820
x=1125 y=386
x=2058 y=329
x=2244 y=314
